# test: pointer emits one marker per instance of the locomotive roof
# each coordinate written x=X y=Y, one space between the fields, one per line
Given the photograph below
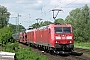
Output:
x=62 y=25
x=59 y=25
x=43 y=27
x=55 y=25
x=29 y=30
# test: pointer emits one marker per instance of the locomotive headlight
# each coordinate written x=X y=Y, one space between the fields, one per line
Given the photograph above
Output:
x=70 y=41
x=69 y=37
x=58 y=37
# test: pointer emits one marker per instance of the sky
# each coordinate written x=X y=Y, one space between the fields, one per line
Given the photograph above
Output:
x=30 y=10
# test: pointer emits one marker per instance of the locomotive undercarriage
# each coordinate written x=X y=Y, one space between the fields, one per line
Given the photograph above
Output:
x=65 y=50
x=64 y=47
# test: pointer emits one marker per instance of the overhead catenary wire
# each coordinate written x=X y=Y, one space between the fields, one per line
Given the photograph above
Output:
x=44 y=7
x=49 y=10
x=66 y=4
x=45 y=13
x=26 y=19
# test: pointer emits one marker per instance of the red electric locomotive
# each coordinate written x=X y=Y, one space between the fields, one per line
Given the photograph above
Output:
x=55 y=37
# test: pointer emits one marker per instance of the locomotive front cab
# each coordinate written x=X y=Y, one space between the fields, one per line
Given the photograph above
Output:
x=64 y=39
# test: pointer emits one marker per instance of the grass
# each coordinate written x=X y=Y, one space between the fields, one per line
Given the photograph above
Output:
x=27 y=54
x=88 y=55
x=23 y=53
x=82 y=45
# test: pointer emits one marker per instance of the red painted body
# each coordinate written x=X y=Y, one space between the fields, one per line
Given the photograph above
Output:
x=34 y=30
x=30 y=36
x=42 y=36
x=23 y=37
x=47 y=36
x=52 y=35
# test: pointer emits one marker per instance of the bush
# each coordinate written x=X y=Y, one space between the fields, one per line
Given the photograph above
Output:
x=11 y=47
x=23 y=53
x=27 y=54
x=6 y=36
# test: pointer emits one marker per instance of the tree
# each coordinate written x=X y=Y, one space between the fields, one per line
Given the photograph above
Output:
x=59 y=20
x=6 y=35
x=4 y=16
x=37 y=25
x=80 y=20
x=46 y=23
x=14 y=27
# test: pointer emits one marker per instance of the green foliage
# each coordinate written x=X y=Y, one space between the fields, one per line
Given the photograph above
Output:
x=14 y=27
x=27 y=54
x=6 y=36
x=82 y=45
x=80 y=20
x=60 y=21
x=11 y=47
x=45 y=23
x=36 y=25
x=4 y=16
x=23 y=53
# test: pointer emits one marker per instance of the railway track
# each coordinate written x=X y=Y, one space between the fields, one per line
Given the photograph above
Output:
x=61 y=57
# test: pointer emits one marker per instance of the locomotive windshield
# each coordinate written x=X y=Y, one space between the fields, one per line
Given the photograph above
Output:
x=62 y=30
x=58 y=30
